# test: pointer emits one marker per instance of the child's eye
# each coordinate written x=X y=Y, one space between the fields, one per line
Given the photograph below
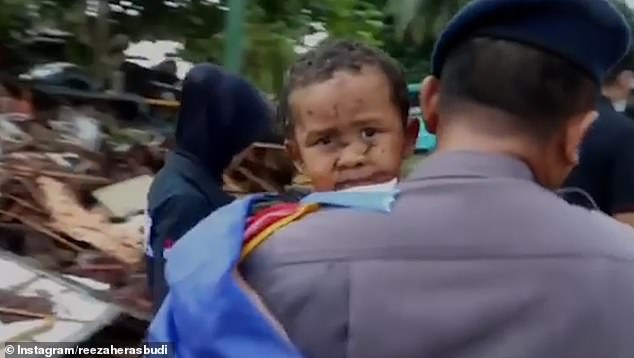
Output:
x=368 y=133
x=323 y=141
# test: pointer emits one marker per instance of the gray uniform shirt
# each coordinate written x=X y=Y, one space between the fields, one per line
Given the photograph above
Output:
x=475 y=260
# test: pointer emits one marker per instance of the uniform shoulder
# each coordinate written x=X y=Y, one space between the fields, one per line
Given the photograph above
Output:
x=600 y=232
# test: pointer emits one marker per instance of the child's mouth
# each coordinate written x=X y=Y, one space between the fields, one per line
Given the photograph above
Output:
x=372 y=180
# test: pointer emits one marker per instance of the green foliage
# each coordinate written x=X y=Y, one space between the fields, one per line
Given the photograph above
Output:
x=360 y=20
x=422 y=20
x=13 y=16
x=417 y=23
x=273 y=29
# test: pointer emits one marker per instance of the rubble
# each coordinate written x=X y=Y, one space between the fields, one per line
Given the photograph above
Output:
x=119 y=241
x=53 y=176
x=264 y=167
x=19 y=308
x=73 y=188
x=44 y=307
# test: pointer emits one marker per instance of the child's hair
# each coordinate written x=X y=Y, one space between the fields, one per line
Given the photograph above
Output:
x=320 y=63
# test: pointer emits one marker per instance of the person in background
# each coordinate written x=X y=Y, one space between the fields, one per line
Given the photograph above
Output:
x=478 y=256
x=617 y=85
x=220 y=115
x=604 y=178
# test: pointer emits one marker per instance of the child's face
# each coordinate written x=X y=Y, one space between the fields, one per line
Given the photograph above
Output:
x=348 y=132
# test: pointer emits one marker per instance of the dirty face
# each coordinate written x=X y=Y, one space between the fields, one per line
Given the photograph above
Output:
x=348 y=132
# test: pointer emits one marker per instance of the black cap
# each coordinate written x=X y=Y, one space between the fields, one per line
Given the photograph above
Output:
x=591 y=34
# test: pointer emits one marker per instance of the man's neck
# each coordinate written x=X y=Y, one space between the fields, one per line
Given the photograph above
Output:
x=516 y=147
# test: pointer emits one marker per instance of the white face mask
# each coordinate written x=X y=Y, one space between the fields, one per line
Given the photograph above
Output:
x=620 y=106
x=390 y=185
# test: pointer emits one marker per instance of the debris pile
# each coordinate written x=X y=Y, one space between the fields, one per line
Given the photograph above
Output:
x=261 y=168
x=38 y=306
x=73 y=193
x=19 y=308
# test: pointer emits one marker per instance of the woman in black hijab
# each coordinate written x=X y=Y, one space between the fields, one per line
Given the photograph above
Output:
x=220 y=115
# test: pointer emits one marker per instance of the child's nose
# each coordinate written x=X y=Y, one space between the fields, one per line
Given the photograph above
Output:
x=352 y=156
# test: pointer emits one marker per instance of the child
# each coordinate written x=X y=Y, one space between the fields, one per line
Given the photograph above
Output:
x=346 y=109
x=346 y=112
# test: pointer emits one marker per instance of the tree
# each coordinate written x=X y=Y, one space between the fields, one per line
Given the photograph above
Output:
x=273 y=30
x=12 y=18
x=417 y=23
x=422 y=20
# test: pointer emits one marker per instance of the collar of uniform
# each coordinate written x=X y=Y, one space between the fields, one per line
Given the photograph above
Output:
x=471 y=164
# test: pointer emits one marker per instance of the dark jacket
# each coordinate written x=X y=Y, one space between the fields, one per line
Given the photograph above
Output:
x=606 y=164
x=220 y=115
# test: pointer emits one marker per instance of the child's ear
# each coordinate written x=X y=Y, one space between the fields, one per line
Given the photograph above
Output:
x=293 y=151
x=411 y=136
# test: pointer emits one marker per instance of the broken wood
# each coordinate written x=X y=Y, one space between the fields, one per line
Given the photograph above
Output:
x=27 y=171
x=24 y=313
x=39 y=228
x=68 y=216
x=15 y=307
x=54 y=186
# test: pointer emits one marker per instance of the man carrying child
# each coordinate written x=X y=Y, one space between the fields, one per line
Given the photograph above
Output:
x=478 y=257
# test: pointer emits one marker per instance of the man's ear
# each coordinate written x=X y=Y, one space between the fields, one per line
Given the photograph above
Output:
x=411 y=136
x=575 y=133
x=429 y=102
x=293 y=152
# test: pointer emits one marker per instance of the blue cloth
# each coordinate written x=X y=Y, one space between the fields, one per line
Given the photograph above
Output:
x=206 y=313
x=592 y=34
x=425 y=141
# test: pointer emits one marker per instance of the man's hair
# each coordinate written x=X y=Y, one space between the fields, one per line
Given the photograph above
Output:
x=321 y=63
x=626 y=64
x=539 y=90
